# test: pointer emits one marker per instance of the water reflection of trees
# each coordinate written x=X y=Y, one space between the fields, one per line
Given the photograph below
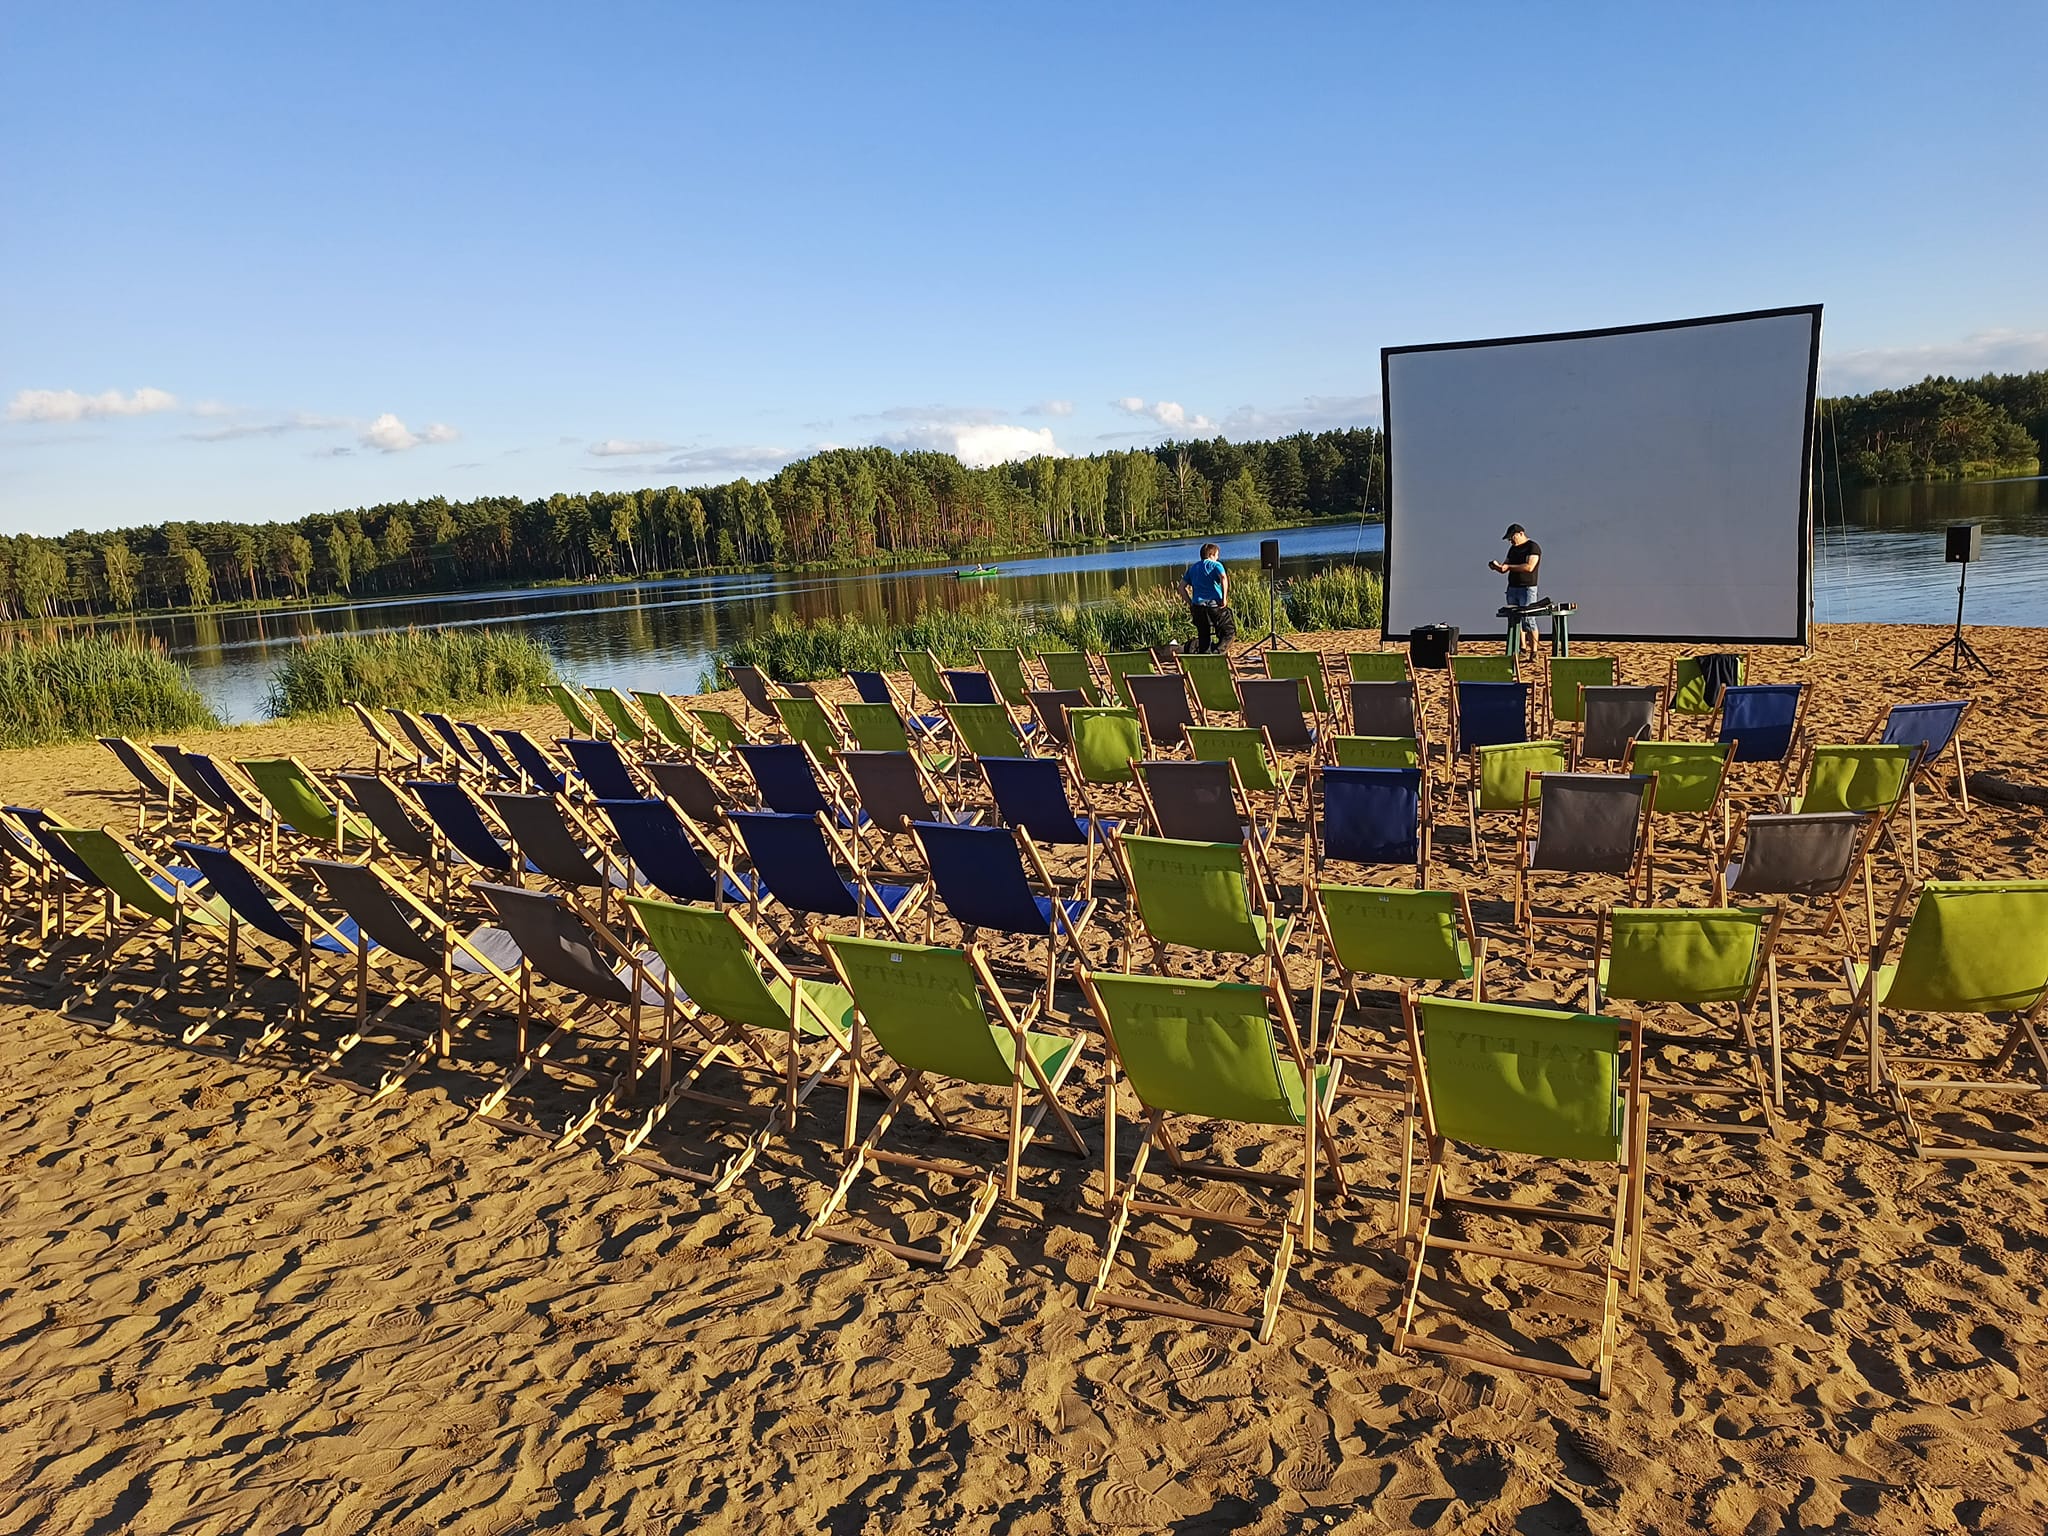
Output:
x=2003 y=506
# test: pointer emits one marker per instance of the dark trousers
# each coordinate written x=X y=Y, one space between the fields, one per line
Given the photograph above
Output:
x=1215 y=627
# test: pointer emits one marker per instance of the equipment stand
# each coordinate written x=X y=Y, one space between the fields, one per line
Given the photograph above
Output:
x=1272 y=642
x=1957 y=648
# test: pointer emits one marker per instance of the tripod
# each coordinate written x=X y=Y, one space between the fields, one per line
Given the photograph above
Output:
x=1272 y=642
x=1957 y=648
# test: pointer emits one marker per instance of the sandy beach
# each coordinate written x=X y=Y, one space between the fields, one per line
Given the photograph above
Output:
x=231 y=1302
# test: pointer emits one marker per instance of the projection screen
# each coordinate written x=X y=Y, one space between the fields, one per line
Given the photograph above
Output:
x=1663 y=469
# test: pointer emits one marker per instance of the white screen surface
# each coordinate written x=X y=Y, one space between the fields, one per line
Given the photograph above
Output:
x=1663 y=471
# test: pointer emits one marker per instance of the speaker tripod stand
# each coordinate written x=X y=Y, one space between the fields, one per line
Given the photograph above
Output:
x=1955 y=647
x=1269 y=560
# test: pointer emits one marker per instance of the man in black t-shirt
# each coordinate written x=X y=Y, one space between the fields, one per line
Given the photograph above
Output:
x=1523 y=555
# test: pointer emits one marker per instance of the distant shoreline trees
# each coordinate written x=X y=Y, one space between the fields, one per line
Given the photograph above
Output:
x=1940 y=429
x=844 y=507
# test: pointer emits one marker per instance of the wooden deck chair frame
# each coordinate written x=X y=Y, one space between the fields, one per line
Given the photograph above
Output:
x=1017 y=1132
x=2023 y=1035
x=462 y=993
x=1619 y=1259
x=1766 y=1063
x=1295 y=1228
x=156 y=787
x=386 y=748
x=739 y=1044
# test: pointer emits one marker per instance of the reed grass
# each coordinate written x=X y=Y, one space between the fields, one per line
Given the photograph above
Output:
x=93 y=685
x=409 y=669
x=1343 y=597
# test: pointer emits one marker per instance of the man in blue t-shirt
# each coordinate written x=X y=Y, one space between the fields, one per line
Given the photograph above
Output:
x=1207 y=586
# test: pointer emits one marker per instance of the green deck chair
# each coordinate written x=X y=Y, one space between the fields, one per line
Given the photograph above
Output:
x=625 y=725
x=924 y=671
x=1071 y=670
x=1199 y=896
x=1213 y=680
x=302 y=806
x=987 y=730
x=728 y=973
x=1500 y=781
x=582 y=722
x=1304 y=666
x=808 y=721
x=1121 y=665
x=1687 y=688
x=939 y=1015
x=668 y=721
x=1402 y=935
x=1863 y=778
x=1542 y=1084
x=1258 y=763
x=1104 y=744
x=1006 y=669
x=1482 y=669
x=1568 y=674
x=1694 y=959
x=879 y=728
x=143 y=902
x=1692 y=781
x=1377 y=752
x=1377 y=666
x=1220 y=1051
x=1972 y=947
x=719 y=726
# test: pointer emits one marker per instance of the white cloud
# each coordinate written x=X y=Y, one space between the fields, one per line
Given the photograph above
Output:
x=622 y=448
x=298 y=421
x=1168 y=414
x=387 y=434
x=1316 y=413
x=1050 y=408
x=977 y=444
x=70 y=405
x=1855 y=373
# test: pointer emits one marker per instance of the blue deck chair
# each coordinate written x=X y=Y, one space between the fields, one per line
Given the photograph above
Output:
x=1760 y=719
x=787 y=779
x=459 y=819
x=1031 y=795
x=463 y=752
x=970 y=686
x=533 y=762
x=603 y=767
x=797 y=860
x=1490 y=715
x=874 y=688
x=1371 y=816
x=486 y=747
x=1935 y=729
x=980 y=878
x=669 y=854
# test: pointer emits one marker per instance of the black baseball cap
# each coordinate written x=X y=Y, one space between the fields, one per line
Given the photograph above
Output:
x=1513 y=529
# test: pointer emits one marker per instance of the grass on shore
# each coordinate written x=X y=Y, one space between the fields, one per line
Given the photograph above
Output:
x=1343 y=597
x=93 y=685
x=410 y=669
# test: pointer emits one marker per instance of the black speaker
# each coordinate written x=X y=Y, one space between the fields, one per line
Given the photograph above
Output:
x=1269 y=554
x=1965 y=543
x=1432 y=646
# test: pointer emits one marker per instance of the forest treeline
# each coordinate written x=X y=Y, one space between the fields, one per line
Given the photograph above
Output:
x=847 y=507
x=1941 y=429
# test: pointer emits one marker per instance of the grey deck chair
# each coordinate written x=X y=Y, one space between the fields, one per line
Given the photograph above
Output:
x=1586 y=824
x=1814 y=858
x=1205 y=802
x=1613 y=717
x=382 y=804
x=473 y=972
x=1383 y=709
x=433 y=751
x=1275 y=703
x=693 y=790
x=1050 y=705
x=757 y=688
x=601 y=975
x=557 y=842
x=1164 y=707
x=893 y=789
x=154 y=781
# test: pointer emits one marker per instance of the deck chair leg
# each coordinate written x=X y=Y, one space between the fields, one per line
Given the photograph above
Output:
x=1119 y=1223
x=1777 y=1036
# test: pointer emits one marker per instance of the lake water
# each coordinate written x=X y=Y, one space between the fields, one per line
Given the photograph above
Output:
x=1877 y=557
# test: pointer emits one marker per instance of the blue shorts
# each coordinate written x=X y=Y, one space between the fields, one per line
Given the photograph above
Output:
x=1522 y=597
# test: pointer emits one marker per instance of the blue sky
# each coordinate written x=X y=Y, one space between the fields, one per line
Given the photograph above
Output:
x=260 y=262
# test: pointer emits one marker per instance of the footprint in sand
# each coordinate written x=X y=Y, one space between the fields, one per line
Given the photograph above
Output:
x=1309 y=1457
